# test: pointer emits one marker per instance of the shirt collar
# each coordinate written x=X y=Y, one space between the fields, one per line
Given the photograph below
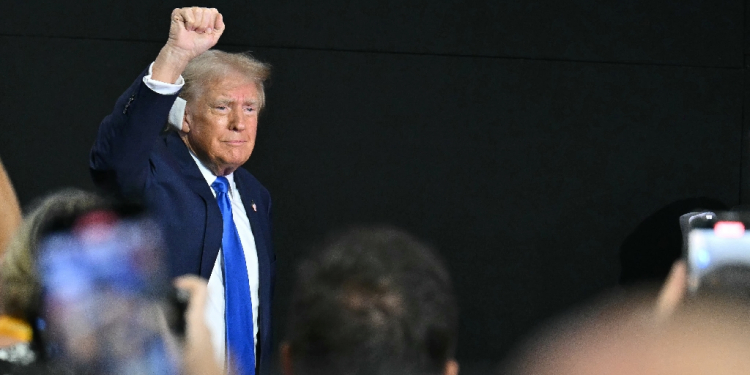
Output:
x=210 y=177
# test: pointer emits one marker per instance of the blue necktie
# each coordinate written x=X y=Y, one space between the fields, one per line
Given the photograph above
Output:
x=239 y=306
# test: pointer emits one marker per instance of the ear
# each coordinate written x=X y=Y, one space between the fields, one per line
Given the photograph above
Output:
x=286 y=358
x=186 y=119
x=451 y=367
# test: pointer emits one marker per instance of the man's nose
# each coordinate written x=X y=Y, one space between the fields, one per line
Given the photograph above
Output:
x=237 y=120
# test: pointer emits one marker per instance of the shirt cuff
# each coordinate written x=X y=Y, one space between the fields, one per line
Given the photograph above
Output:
x=161 y=87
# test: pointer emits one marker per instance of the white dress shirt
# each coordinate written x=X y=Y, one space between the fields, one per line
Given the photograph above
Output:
x=215 y=304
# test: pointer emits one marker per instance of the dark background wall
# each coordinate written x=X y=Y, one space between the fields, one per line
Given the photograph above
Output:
x=524 y=138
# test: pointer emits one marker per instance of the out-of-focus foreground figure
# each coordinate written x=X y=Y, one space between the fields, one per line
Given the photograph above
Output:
x=628 y=337
x=375 y=302
x=58 y=269
x=19 y=280
x=10 y=211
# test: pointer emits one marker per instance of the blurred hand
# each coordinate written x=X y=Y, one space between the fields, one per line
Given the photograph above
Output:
x=10 y=210
x=673 y=291
x=198 y=355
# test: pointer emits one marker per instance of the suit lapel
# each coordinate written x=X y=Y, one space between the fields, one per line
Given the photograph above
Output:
x=195 y=181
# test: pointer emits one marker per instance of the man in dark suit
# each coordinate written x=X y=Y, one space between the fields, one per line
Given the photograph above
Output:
x=215 y=215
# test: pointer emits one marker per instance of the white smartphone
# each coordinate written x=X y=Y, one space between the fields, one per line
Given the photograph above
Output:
x=718 y=254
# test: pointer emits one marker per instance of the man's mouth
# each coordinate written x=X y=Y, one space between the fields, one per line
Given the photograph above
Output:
x=235 y=143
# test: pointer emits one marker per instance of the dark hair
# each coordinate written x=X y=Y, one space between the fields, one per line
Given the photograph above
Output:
x=374 y=301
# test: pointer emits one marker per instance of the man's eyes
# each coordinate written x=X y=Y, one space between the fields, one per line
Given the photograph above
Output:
x=226 y=108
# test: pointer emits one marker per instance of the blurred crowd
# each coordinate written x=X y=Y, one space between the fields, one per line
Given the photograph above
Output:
x=369 y=301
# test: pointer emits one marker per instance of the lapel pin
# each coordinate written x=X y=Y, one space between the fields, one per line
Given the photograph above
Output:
x=255 y=208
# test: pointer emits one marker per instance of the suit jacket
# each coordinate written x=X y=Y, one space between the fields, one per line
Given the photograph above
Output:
x=132 y=158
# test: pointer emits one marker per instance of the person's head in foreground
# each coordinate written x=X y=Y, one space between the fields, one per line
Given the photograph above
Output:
x=703 y=336
x=374 y=301
x=19 y=280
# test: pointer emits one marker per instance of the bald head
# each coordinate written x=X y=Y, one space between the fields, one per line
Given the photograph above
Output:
x=625 y=338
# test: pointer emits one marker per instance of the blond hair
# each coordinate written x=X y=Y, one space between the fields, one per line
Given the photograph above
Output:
x=19 y=279
x=213 y=65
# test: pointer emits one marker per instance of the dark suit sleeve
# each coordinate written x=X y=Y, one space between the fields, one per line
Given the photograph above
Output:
x=119 y=159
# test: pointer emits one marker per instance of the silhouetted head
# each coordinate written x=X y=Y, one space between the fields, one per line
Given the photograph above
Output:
x=372 y=302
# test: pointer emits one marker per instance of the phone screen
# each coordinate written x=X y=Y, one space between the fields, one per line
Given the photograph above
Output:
x=104 y=292
x=719 y=257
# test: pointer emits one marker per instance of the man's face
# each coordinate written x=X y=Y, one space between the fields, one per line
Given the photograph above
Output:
x=222 y=123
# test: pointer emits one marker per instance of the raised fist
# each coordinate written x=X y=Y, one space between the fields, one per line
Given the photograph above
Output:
x=195 y=30
x=192 y=32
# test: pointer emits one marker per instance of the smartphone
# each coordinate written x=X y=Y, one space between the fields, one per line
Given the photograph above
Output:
x=718 y=254
x=105 y=295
